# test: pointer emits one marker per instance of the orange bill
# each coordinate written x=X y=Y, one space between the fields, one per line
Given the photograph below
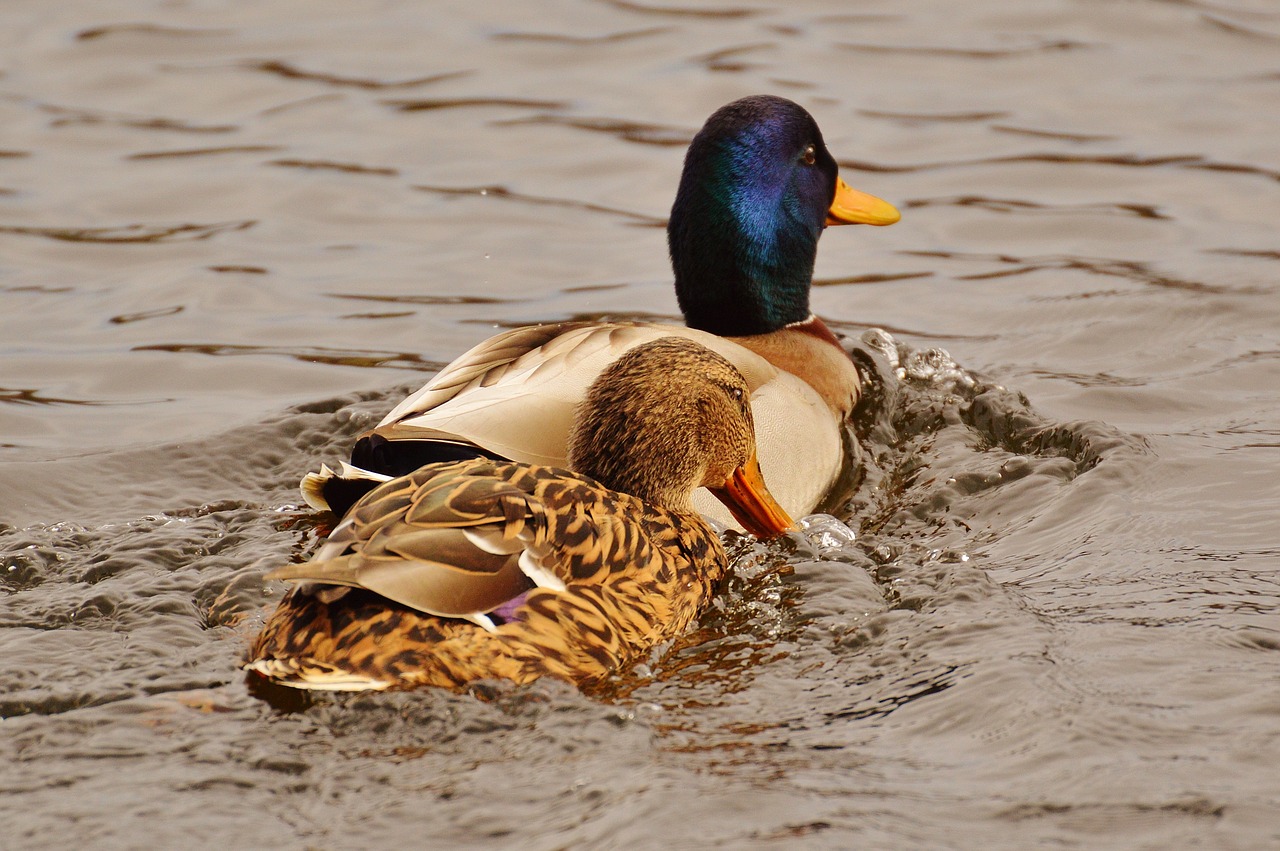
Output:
x=750 y=502
x=852 y=207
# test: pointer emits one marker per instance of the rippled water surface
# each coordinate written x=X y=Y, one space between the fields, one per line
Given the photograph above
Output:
x=232 y=235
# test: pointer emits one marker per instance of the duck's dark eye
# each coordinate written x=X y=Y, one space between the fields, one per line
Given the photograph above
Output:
x=810 y=156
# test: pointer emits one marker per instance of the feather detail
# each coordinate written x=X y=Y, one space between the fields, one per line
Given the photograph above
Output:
x=543 y=578
x=426 y=559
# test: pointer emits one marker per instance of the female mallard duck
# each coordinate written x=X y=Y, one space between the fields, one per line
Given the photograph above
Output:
x=758 y=188
x=481 y=568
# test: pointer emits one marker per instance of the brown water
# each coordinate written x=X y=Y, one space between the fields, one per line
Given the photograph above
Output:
x=233 y=234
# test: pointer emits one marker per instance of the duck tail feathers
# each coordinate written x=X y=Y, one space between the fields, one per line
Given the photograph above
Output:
x=330 y=491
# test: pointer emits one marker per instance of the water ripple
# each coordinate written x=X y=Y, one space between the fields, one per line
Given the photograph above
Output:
x=306 y=354
x=428 y=104
x=627 y=130
x=581 y=40
x=292 y=72
x=871 y=278
x=424 y=299
x=233 y=269
x=1016 y=205
x=899 y=692
x=683 y=11
x=1093 y=379
x=154 y=313
x=1261 y=254
x=1188 y=161
x=1132 y=270
x=329 y=165
x=150 y=29
x=724 y=60
x=204 y=152
x=1053 y=134
x=501 y=192
x=1236 y=28
x=927 y=117
x=131 y=233
x=70 y=116
x=31 y=396
x=1045 y=46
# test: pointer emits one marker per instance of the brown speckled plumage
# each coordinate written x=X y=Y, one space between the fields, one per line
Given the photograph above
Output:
x=481 y=569
x=634 y=576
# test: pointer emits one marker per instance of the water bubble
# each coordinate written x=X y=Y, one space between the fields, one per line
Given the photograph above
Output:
x=882 y=341
x=935 y=366
x=826 y=533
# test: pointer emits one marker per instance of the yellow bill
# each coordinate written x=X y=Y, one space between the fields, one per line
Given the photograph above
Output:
x=852 y=207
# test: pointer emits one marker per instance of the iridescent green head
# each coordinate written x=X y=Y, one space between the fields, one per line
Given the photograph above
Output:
x=758 y=187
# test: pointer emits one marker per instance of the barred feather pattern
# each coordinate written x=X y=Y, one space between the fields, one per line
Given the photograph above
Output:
x=634 y=575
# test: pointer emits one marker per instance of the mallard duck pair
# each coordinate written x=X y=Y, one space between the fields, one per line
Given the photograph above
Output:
x=473 y=569
x=507 y=565
x=758 y=188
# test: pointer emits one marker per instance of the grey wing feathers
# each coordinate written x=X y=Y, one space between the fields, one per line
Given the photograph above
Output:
x=451 y=541
x=483 y=365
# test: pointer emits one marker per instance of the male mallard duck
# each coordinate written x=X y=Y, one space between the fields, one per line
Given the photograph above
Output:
x=482 y=568
x=758 y=188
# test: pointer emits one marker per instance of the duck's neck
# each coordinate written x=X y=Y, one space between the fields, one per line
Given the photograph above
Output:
x=815 y=327
x=810 y=350
x=639 y=472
